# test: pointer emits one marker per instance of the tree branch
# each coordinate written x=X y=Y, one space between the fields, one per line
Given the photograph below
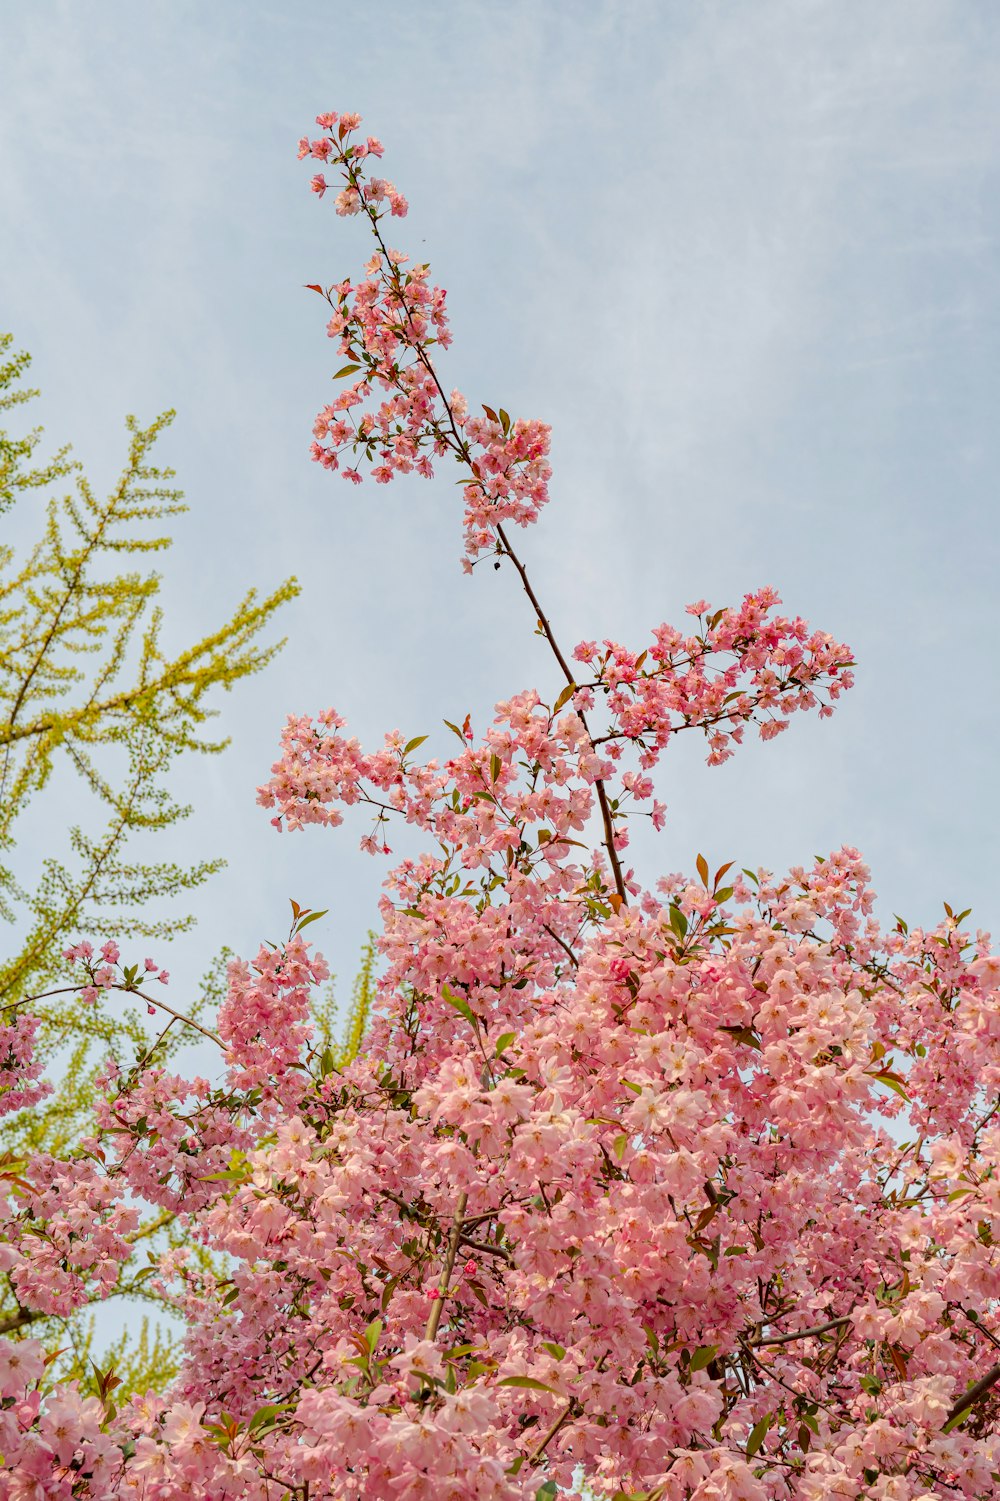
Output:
x=437 y=1307
x=974 y=1393
x=785 y=1339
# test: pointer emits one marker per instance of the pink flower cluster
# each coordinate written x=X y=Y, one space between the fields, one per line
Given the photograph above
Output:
x=386 y=326
x=701 y=1180
x=264 y=1021
x=536 y=766
x=744 y=665
x=64 y=1234
x=21 y=1083
x=104 y=971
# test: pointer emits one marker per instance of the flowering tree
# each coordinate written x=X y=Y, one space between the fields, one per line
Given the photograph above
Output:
x=677 y=1193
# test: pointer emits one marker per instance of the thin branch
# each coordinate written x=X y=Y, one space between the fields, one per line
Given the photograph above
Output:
x=571 y=1410
x=547 y=632
x=437 y=1307
x=18 y=1320
x=487 y=1250
x=785 y=1339
x=460 y=446
x=126 y=990
x=562 y=944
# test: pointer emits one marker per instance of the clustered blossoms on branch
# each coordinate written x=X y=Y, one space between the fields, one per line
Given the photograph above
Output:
x=685 y=1194
x=386 y=325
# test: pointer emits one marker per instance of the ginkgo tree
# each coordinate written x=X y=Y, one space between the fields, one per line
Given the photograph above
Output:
x=88 y=690
x=682 y=1191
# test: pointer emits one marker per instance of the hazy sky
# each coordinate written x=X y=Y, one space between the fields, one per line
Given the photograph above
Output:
x=742 y=256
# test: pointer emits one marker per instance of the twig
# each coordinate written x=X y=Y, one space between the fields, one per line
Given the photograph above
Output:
x=571 y=1410
x=784 y=1339
x=562 y=944
x=543 y=621
x=459 y=445
x=125 y=990
x=437 y=1307
x=487 y=1250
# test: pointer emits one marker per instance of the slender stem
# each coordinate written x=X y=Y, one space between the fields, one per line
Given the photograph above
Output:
x=785 y=1339
x=460 y=447
x=543 y=619
x=126 y=990
x=485 y=1248
x=547 y=632
x=437 y=1307
x=562 y=944
x=571 y=1410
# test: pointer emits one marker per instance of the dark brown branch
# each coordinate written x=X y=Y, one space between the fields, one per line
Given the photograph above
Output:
x=785 y=1339
x=547 y=632
x=18 y=1320
x=125 y=990
x=974 y=1393
x=487 y=1250
x=562 y=944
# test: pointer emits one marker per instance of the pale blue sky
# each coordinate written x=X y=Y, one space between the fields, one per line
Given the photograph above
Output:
x=742 y=256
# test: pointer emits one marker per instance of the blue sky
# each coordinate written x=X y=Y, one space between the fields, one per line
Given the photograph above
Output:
x=742 y=257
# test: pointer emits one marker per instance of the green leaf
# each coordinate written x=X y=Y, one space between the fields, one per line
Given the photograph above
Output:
x=758 y=1433
x=459 y=1002
x=265 y=1415
x=346 y=370
x=678 y=922
x=313 y=917
x=556 y=1351
x=529 y=1382
x=373 y=1333
x=503 y=1042
x=619 y=1145
x=564 y=697
x=746 y=1035
x=703 y=1356
x=891 y=1082
x=411 y=745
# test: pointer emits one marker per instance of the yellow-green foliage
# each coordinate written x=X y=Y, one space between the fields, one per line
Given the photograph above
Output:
x=87 y=685
x=84 y=679
x=338 y=1041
